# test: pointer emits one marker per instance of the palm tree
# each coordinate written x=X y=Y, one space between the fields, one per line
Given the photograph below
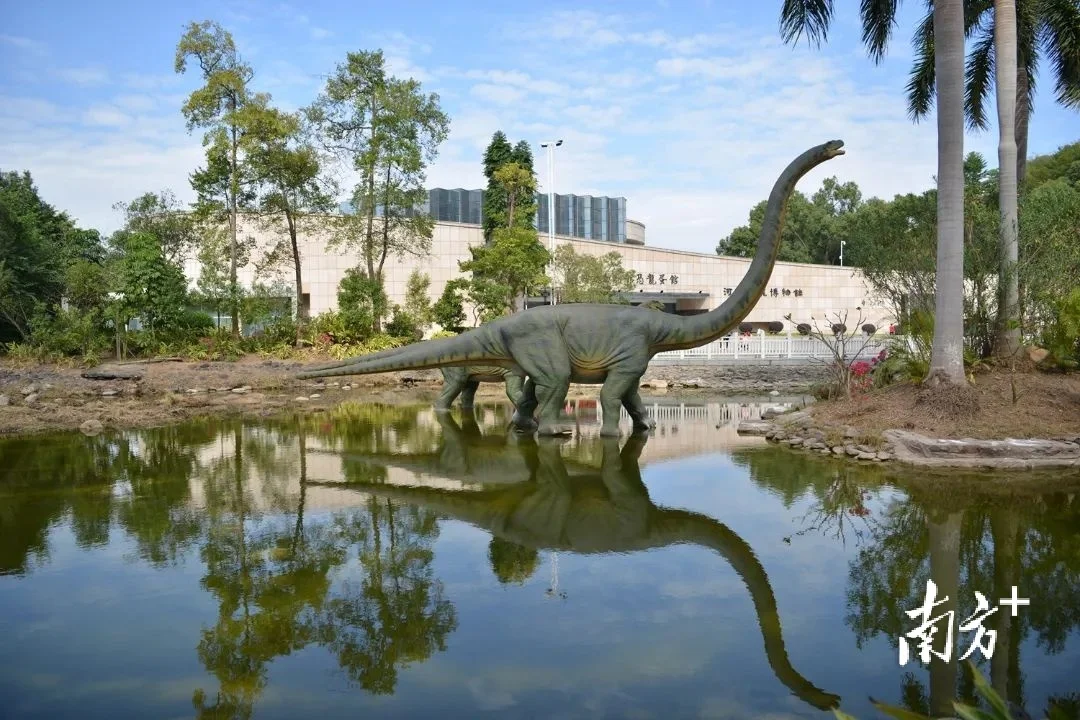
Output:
x=1005 y=51
x=812 y=17
x=1044 y=29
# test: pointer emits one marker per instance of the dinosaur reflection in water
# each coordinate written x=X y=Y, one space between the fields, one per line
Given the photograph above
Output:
x=548 y=503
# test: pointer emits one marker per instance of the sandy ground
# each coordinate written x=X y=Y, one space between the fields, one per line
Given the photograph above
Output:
x=1047 y=406
x=42 y=398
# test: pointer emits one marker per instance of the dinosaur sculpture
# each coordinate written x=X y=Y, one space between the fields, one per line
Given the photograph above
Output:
x=603 y=510
x=464 y=381
x=611 y=345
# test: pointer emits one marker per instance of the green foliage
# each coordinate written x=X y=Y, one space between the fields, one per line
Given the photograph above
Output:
x=1062 y=334
x=517 y=185
x=418 y=299
x=512 y=563
x=813 y=228
x=164 y=217
x=389 y=131
x=37 y=245
x=68 y=333
x=592 y=279
x=510 y=266
x=1064 y=163
x=498 y=153
x=448 y=311
x=152 y=289
x=361 y=296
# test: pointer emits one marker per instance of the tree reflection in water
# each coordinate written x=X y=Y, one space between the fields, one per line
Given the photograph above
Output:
x=967 y=535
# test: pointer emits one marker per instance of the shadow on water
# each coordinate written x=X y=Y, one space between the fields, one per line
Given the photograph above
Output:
x=323 y=531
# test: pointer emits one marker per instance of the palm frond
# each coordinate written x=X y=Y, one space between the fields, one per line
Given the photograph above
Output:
x=811 y=17
x=1059 y=33
x=920 y=87
x=975 y=12
x=878 y=20
x=978 y=79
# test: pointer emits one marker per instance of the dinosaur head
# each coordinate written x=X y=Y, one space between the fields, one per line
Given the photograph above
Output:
x=833 y=148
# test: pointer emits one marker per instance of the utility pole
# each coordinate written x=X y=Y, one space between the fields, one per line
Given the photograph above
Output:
x=550 y=146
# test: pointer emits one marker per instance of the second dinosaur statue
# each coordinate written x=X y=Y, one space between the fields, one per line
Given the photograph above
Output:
x=610 y=345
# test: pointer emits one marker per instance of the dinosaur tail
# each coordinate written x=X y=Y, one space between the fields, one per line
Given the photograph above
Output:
x=478 y=345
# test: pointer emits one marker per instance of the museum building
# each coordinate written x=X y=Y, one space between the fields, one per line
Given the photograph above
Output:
x=683 y=282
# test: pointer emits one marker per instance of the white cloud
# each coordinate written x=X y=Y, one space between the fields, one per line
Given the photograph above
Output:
x=318 y=33
x=498 y=94
x=83 y=75
x=106 y=115
x=24 y=43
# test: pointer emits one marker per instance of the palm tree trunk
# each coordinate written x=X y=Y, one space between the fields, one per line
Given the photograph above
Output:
x=1008 y=319
x=947 y=359
x=1023 y=112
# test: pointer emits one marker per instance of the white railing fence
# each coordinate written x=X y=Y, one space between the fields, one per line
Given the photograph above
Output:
x=789 y=346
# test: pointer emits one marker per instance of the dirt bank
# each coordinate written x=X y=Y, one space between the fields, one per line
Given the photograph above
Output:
x=41 y=398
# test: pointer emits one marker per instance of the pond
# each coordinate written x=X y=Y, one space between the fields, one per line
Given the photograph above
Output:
x=381 y=560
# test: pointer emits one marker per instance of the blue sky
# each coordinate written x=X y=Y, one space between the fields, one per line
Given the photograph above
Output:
x=688 y=109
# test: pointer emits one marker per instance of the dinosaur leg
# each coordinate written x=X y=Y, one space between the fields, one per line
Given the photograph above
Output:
x=546 y=360
x=637 y=410
x=526 y=406
x=616 y=386
x=468 y=393
x=453 y=383
x=515 y=390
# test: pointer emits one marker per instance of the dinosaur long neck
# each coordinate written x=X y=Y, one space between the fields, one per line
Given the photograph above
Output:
x=696 y=330
x=682 y=526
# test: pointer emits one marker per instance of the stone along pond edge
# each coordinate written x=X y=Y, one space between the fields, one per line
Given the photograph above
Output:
x=798 y=430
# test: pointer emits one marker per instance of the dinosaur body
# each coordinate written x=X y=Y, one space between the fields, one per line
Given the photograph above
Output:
x=604 y=510
x=610 y=345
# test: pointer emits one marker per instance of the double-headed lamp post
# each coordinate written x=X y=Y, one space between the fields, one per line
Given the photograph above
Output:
x=550 y=146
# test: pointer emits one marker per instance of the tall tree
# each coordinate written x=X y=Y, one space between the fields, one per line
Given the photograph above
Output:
x=518 y=185
x=498 y=153
x=947 y=357
x=1008 y=315
x=289 y=169
x=390 y=131
x=216 y=107
x=162 y=215
x=527 y=205
x=813 y=17
x=1044 y=29
x=592 y=279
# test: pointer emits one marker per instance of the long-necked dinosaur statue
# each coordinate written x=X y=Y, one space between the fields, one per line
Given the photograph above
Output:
x=607 y=510
x=611 y=345
x=464 y=381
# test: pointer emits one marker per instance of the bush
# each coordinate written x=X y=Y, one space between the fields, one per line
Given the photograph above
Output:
x=1062 y=335
x=67 y=333
x=404 y=326
x=344 y=327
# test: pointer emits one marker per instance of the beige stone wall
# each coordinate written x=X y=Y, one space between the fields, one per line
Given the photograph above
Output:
x=824 y=289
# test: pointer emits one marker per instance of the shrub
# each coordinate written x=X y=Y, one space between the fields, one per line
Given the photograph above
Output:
x=1062 y=335
x=404 y=325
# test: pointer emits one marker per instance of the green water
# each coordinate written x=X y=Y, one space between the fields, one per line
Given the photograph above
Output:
x=374 y=561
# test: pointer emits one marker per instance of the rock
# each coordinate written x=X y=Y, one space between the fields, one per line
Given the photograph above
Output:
x=774 y=393
x=29 y=389
x=4 y=401
x=91 y=427
x=656 y=384
x=795 y=441
x=882 y=455
x=749 y=427
x=346 y=387
x=30 y=399
x=334 y=384
x=852 y=450
x=866 y=448
x=824 y=451
x=838 y=449
x=46 y=386
x=866 y=456
x=193 y=391
x=109 y=393
x=850 y=433
x=221 y=389
x=1037 y=354
x=772 y=411
x=241 y=390
x=112 y=375
x=315 y=396
x=300 y=398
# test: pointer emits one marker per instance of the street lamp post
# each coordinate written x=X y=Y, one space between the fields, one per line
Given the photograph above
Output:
x=842 y=253
x=550 y=146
